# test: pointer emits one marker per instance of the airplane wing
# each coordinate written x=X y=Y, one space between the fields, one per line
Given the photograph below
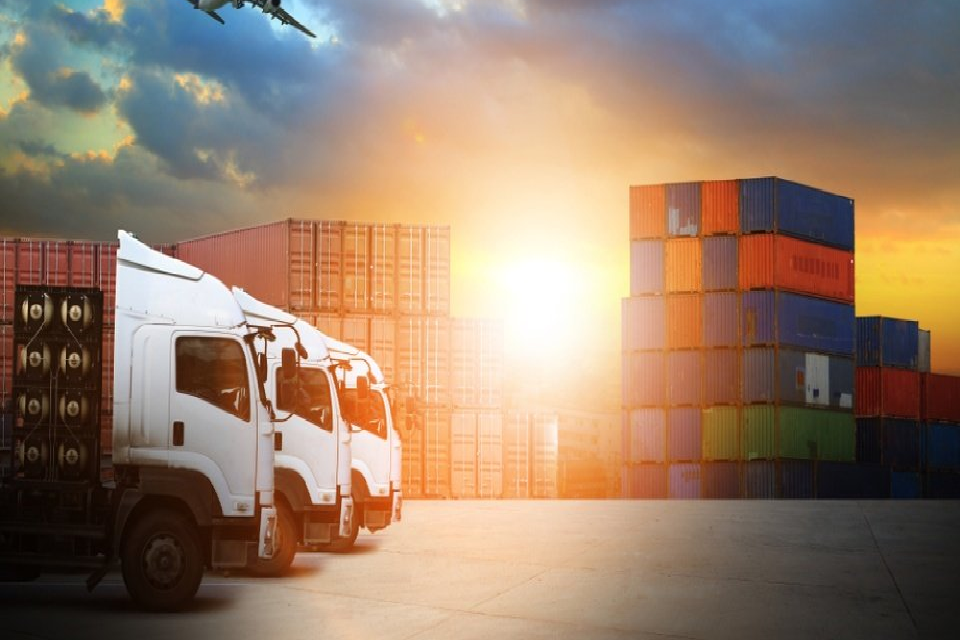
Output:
x=212 y=14
x=281 y=14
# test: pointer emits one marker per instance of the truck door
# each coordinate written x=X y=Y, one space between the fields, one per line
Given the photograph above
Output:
x=212 y=416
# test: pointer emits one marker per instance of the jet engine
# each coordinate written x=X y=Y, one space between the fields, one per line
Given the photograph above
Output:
x=271 y=6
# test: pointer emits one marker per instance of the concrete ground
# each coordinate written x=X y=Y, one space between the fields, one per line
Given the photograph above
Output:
x=604 y=570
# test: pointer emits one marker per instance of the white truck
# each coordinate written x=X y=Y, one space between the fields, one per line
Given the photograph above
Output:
x=193 y=433
x=312 y=457
x=366 y=399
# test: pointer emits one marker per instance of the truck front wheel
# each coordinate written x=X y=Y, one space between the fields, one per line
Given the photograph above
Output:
x=286 y=545
x=161 y=561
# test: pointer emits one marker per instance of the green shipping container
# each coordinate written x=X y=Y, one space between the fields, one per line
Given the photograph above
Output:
x=793 y=432
x=814 y=434
x=759 y=441
x=720 y=434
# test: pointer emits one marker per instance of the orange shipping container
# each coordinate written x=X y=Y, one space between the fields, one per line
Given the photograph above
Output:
x=648 y=211
x=684 y=320
x=720 y=202
x=776 y=261
x=683 y=265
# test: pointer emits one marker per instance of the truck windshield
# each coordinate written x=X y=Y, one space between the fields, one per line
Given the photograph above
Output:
x=369 y=414
x=314 y=402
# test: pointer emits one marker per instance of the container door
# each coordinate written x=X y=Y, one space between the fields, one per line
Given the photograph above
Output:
x=818 y=379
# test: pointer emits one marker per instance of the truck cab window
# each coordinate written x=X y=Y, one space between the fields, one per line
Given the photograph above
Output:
x=368 y=414
x=214 y=370
x=313 y=402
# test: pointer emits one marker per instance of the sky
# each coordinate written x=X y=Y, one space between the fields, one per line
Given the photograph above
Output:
x=518 y=123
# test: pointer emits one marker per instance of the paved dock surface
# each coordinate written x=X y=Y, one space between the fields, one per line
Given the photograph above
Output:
x=567 y=569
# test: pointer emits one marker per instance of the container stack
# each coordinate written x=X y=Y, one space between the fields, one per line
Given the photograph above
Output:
x=530 y=454
x=738 y=339
x=888 y=400
x=940 y=435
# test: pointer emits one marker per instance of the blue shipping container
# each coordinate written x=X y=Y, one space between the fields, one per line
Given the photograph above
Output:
x=941 y=446
x=683 y=378
x=720 y=320
x=684 y=435
x=643 y=379
x=782 y=206
x=684 y=481
x=869 y=440
x=796 y=479
x=645 y=481
x=760 y=479
x=852 y=481
x=720 y=480
x=887 y=342
x=797 y=377
x=905 y=485
x=720 y=263
x=646 y=267
x=798 y=321
x=683 y=209
x=720 y=376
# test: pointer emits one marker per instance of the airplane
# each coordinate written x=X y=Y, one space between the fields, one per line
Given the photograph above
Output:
x=269 y=7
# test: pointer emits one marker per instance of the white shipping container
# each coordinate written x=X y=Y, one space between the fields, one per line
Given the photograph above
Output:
x=356 y=266
x=923 y=355
x=383 y=345
x=329 y=261
x=383 y=267
x=476 y=454
x=477 y=352
x=436 y=452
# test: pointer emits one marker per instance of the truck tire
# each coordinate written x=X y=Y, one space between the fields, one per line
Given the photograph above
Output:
x=161 y=561
x=286 y=545
x=341 y=545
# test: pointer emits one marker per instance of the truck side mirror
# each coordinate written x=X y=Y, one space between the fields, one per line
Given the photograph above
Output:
x=288 y=382
x=412 y=405
x=363 y=387
x=288 y=363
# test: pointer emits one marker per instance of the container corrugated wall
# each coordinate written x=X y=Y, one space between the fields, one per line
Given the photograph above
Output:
x=648 y=209
x=477 y=349
x=683 y=378
x=720 y=263
x=683 y=265
x=852 y=481
x=684 y=320
x=940 y=446
x=905 y=485
x=799 y=321
x=644 y=379
x=721 y=325
x=720 y=206
x=720 y=376
x=721 y=433
x=646 y=267
x=683 y=209
x=923 y=351
x=684 y=479
x=643 y=323
x=720 y=480
x=774 y=204
x=887 y=342
x=684 y=435
x=646 y=435
x=758 y=433
x=760 y=479
x=645 y=481
x=885 y=391
x=796 y=479
x=476 y=454
x=940 y=397
x=769 y=261
x=816 y=434
x=797 y=377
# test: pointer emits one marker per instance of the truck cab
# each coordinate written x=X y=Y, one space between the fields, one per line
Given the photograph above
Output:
x=367 y=406
x=312 y=453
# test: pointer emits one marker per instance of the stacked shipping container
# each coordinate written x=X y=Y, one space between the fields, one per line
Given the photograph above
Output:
x=738 y=338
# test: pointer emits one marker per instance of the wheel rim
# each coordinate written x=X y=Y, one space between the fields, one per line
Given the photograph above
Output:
x=163 y=561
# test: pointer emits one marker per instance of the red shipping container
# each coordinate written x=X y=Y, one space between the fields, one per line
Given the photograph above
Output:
x=720 y=206
x=684 y=321
x=6 y=365
x=648 y=211
x=683 y=265
x=887 y=392
x=107 y=279
x=56 y=263
x=770 y=261
x=29 y=262
x=83 y=263
x=941 y=397
x=8 y=278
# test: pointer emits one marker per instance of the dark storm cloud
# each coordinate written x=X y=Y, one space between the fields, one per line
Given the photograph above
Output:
x=44 y=65
x=95 y=29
